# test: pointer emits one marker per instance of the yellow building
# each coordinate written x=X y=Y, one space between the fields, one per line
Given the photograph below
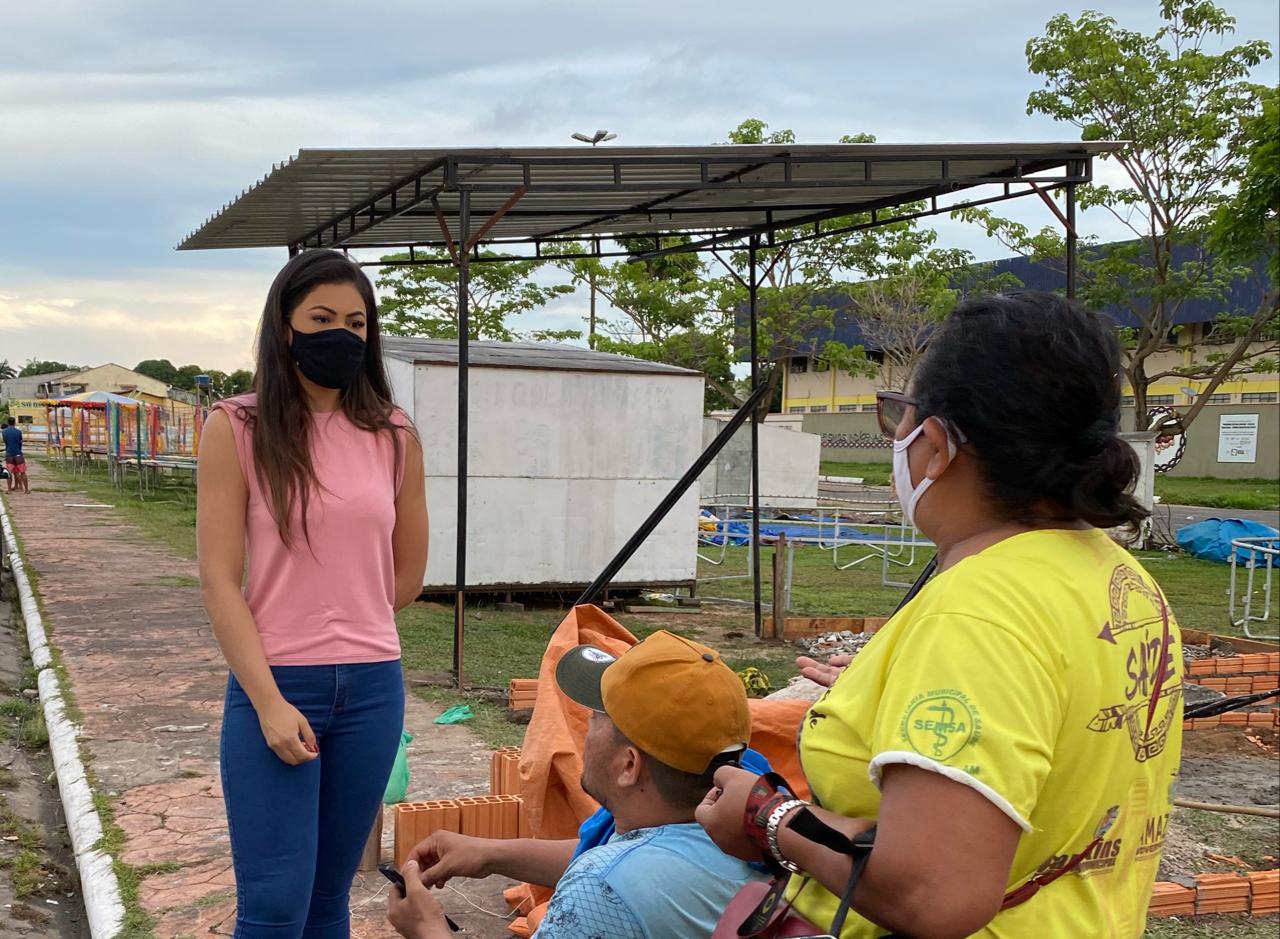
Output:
x=811 y=388
x=113 y=378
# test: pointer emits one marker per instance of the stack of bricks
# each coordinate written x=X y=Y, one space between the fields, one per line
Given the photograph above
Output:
x=1254 y=663
x=1237 y=675
x=1256 y=893
x=1172 y=900
x=522 y=694
x=417 y=820
x=490 y=816
x=1222 y=893
x=1235 y=719
x=504 y=772
x=1265 y=887
x=1240 y=684
x=500 y=814
x=494 y=816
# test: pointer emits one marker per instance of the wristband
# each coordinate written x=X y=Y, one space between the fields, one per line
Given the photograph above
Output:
x=771 y=831
x=763 y=798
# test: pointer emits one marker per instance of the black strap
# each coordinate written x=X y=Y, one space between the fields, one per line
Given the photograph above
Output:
x=860 y=847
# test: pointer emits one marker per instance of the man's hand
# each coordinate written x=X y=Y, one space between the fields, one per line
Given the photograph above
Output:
x=416 y=915
x=722 y=810
x=823 y=674
x=445 y=854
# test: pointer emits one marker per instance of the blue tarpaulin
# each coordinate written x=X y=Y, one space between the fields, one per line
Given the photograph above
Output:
x=740 y=533
x=1211 y=539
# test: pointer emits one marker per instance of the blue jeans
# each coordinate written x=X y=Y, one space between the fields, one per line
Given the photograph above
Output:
x=297 y=832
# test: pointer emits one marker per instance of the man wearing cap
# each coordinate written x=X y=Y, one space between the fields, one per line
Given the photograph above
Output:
x=665 y=715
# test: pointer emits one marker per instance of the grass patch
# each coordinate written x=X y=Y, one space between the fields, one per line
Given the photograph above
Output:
x=1255 y=493
x=159 y=867
x=490 y=723
x=30 y=870
x=138 y=924
x=873 y=474
x=1197 y=589
x=498 y=647
x=817 y=587
x=1251 y=839
x=1213 y=927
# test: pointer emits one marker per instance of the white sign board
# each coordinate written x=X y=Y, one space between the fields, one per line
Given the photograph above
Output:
x=1238 y=438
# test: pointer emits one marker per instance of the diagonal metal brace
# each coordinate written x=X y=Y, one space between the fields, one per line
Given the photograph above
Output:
x=444 y=230
x=1053 y=207
x=496 y=217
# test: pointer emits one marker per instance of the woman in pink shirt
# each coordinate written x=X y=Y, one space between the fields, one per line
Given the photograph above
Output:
x=316 y=482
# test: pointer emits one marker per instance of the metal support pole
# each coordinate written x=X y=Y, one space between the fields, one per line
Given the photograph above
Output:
x=753 y=289
x=591 y=333
x=464 y=334
x=1071 y=241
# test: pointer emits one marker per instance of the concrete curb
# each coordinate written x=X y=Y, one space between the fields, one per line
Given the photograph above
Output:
x=98 y=883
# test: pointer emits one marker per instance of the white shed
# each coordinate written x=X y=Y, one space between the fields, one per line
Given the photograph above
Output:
x=570 y=450
x=789 y=461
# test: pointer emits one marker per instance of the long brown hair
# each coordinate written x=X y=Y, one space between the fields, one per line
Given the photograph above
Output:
x=280 y=419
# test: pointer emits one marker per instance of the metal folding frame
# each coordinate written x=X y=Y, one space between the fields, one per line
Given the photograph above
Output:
x=418 y=194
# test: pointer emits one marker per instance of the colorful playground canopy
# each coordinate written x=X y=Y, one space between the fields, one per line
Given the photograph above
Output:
x=98 y=397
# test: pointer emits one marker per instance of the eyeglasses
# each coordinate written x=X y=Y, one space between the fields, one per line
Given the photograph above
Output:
x=891 y=408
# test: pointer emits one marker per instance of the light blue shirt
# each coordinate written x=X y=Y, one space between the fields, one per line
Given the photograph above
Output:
x=651 y=883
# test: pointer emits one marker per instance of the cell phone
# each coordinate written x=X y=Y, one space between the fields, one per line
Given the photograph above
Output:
x=390 y=872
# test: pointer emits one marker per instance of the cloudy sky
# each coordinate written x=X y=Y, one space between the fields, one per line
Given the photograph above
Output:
x=124 y=123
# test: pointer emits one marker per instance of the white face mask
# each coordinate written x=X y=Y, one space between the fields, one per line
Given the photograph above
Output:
x=909 y=494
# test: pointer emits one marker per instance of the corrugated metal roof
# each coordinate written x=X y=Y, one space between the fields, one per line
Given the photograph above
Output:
x=377 y=198
x=542 y=355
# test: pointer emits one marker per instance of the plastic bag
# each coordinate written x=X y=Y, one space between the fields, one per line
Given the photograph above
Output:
x=398 y=784
x=455 y=715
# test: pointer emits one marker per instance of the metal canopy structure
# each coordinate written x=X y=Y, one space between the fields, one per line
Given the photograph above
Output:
x=548 y=197
x=558 y=203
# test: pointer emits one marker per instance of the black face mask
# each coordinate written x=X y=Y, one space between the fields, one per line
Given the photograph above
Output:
x=332 y=358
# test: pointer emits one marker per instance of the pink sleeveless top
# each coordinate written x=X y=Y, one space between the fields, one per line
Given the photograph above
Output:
x=332 y=602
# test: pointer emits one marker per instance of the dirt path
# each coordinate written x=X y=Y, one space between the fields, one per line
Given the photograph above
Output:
x=127 y=618
x=39 y=896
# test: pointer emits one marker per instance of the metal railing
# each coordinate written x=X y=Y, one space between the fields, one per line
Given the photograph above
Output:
x=866 y=527
x=1252 y=552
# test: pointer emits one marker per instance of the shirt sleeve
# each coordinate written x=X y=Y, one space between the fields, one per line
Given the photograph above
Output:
x=970 y=700
x=586 y=907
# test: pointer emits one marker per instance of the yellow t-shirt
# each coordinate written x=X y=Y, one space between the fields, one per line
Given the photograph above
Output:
x=1025 y=672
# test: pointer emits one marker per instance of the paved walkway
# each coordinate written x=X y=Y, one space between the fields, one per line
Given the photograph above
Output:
x=126 y=615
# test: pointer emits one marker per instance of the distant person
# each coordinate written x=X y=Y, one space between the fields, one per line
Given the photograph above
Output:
x=14 y=461
x=316 y=480
x=665 y=716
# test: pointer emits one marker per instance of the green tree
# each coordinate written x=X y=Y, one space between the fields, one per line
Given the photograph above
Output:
x=1189 y=118
x=159 y=369
x=226 y=386
x=683 y=310
x=666 y=312
x=185 y=377
x=7 y=370
x=422 y=299
x=1247 y=226
x=796 y=276
x=39 y=367
x=237 y=383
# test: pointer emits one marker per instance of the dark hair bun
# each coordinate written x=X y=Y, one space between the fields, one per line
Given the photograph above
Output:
x=1033 y=380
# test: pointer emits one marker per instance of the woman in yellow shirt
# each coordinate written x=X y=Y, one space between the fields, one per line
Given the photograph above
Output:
x=1014 y=732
